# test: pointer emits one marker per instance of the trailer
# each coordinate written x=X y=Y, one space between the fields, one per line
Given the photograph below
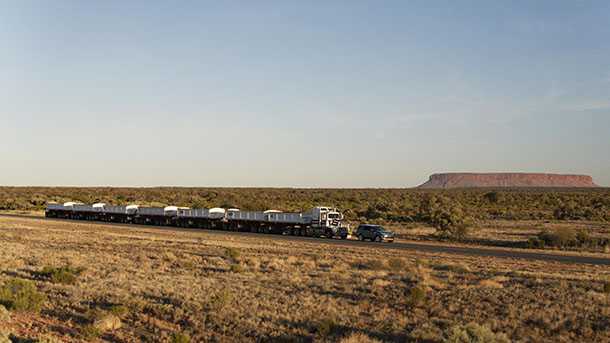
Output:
x=152 y=216
x=55 y=210
x=116 y=214
x=200 y=218
x=84 y=212
x=65 y=211
x=318 y=222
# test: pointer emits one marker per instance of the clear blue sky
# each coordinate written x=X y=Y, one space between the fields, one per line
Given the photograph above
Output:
x=309 y=93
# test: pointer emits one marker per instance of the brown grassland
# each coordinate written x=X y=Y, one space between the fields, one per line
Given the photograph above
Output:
x=126 y=284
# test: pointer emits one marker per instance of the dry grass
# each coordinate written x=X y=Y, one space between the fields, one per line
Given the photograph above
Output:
x=166 y=286
x=514 y=233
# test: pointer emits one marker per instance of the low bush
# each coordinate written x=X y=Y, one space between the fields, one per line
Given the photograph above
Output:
x=327 y=327
x=451 y=267
x=594 y=209
x=606 y=287
x=583 y=237
x=119 y=310
x=358 y=337
x=22 y=296
x=447 y=216
x=568 y=238
x=178 y=337
x=90 y=332
x=535 y=243
x=475 y=333
x=568 y=211
x=64 y=275
x=426 y=332
x=561 y=237
x=492 y=197
x=236 y=268
x=416 y=297
x=233 y=254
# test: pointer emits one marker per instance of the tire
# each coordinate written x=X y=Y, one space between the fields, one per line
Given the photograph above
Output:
x=378 y=239
x=361 y=238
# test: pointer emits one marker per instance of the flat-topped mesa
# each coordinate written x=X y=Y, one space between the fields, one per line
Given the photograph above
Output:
x=491 y=180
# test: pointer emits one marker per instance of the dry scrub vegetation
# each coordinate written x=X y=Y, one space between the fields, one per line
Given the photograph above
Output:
x=67 y=282
x=527 y=218
x=384 y=205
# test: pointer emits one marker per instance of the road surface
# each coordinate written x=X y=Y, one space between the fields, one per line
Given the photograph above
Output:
x=432 y=248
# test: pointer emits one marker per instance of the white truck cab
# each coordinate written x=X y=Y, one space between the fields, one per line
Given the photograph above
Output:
x=322 y=216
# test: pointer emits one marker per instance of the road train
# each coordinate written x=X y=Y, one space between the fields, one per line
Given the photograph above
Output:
x=317 y=222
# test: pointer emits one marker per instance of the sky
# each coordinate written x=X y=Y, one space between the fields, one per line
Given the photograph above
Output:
x=300 y=93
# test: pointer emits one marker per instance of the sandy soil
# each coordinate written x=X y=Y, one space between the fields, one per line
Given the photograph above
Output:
x=221 y=288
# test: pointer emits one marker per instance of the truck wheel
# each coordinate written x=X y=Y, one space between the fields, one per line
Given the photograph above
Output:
x=378 y=239
x=361 y=238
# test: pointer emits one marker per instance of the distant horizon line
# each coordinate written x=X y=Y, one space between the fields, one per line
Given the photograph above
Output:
x=303 y=187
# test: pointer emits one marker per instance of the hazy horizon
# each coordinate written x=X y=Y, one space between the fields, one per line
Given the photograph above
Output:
x=343 y=94
x=315 y=187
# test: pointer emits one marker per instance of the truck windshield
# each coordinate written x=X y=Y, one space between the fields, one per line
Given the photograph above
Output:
x=334 y=215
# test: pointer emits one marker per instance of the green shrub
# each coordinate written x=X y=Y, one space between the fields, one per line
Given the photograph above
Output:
x=583 y=237
x=232 y=254
x=606 y=287
x=90 y=332
x=236 y=268
x=561 y=237
x=22 y=296
x=119 y=310
x=426 y=332
x=64 y=275
x=447 y=216
x=326 y=327
x=451 y=267
x=492 y=197
x=178 y=337
x=371 y=213
x=417 y=296
x=535 y=243
x=572 y=210
x=475 y=333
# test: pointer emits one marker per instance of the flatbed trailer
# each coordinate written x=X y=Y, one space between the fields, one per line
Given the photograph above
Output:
x=318 y=222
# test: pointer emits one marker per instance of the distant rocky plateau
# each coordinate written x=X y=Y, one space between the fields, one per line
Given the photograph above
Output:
x=499 y=180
